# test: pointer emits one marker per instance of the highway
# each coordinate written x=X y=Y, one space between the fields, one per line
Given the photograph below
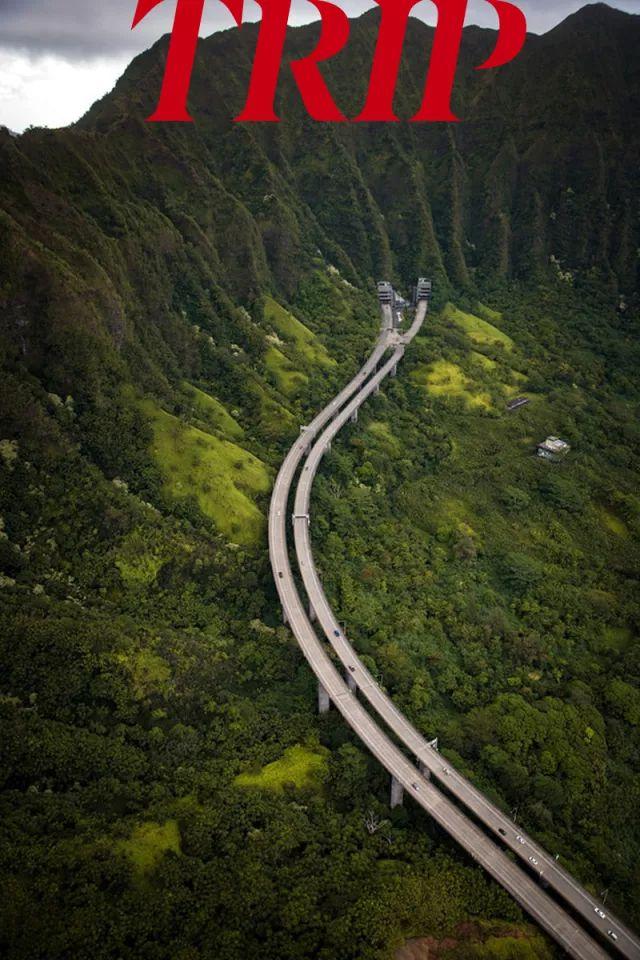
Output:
x=551 y=917
x=525 y=848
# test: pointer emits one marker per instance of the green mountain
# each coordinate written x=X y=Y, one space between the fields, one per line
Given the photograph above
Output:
x=174 y=301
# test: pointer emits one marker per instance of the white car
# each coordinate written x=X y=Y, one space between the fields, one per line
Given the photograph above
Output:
x=610 y=933
x=446 y=771
x=520 y=839
x=600 y=912
x=533 y=861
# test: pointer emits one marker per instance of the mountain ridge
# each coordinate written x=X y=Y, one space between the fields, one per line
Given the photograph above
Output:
x=488 y=89
x=528 y=186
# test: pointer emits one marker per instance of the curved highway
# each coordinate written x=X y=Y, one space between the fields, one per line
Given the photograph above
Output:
x=528 y=893
x=534 y=857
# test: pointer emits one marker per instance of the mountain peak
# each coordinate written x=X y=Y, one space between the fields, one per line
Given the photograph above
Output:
x=597 y=15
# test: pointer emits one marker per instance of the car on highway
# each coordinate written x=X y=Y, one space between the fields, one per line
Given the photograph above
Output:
x=336 y=633
x=352 y=668
x=533 y=861
x=446 y=771
x=600 y=912
x=415 y=786
x=280 y=574
x=610 y=933
x=520 y=839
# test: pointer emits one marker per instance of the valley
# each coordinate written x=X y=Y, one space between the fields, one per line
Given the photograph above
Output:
x=174 y=304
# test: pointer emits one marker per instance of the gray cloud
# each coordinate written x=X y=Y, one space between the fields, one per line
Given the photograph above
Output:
x=86 y=29
x=81 y=29
x=90 y=28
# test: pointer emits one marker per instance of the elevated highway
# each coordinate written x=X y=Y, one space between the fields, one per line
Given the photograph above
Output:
x=549 y=914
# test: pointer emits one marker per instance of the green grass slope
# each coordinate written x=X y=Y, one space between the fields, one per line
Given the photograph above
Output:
x=477 y=329
x=286 y=378
x=295 y=333
x=213 y=413
x=299 y=767
x=224 y=479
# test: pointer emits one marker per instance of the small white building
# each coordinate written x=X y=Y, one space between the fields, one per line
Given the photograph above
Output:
x=553 y=449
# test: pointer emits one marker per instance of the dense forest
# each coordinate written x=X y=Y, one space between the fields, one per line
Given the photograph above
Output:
x=174 y=302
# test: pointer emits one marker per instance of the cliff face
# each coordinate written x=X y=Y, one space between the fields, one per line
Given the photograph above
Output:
x=133 y=225
x=543 y=165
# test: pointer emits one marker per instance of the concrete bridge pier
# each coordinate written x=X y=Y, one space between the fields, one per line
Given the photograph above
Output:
x=354 y=416
x=351 y=681
x=312 y=613
x=397 y=793
x=285 y=618
x=424 y=770
x=394 y=371
x=324 y=703
x=377 y=390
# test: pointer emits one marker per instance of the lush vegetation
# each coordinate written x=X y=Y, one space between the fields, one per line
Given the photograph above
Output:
x=174 y=303
x=299 y=767
x=223 y=477
x=494 y=593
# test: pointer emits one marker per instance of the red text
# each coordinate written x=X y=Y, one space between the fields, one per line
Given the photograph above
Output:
x=267 y=64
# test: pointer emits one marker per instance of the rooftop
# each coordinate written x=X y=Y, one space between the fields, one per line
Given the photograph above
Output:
x=517 y=402
x=554 y=447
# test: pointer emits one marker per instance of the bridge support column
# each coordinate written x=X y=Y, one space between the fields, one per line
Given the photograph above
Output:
x=397 y=793
x=424 y=770
x=312 y=613
x=285 y=618
x=354 y=416
x=394 y=371
x=324 y=702
x=377 y=391
x=351 y=681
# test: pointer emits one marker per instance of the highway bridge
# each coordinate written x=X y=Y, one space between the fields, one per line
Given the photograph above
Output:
x=442 y=805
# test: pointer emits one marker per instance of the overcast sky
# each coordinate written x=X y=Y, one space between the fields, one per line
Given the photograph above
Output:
x=58 y=56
